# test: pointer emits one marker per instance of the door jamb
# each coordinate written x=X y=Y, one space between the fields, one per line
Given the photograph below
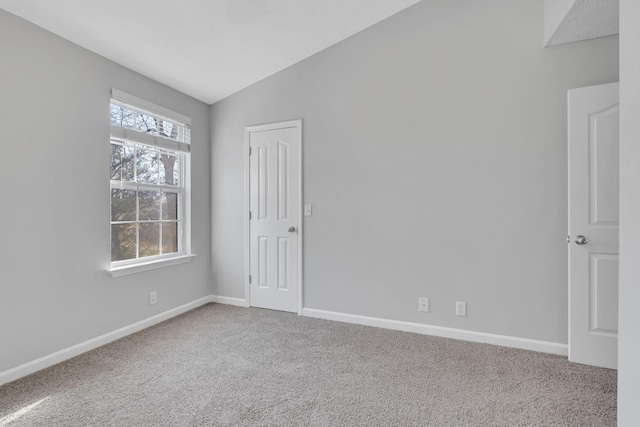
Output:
x=247 y=205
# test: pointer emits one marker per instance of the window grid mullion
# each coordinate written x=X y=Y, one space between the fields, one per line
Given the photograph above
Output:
x=160 y=251
x=121 y=160
x=137 y=223
x=135 y=163
x=181 y=201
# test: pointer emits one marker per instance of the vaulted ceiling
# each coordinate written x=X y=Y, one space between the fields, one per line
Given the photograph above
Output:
x=208 y=49
x=568 y=21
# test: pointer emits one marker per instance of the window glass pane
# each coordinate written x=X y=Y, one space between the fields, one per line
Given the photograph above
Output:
x=149 y=239
x=123 y=205
x=145 y=123
x=121 y=116
x=148 y=123
x=147 y=165
x=169 y=169
x=149 y=205
x=123 y=241
x=122 y=163
x=155 y=126
x=169 y=206
x=169 y=237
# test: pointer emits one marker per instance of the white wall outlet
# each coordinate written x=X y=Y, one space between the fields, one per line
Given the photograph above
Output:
x=153 y=298
x=307 y=210
x=461 y=308
x=423 y=304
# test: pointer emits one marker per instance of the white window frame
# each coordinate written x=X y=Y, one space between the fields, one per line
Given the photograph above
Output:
x=119 y=135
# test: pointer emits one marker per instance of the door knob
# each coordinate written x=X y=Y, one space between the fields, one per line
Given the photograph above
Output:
x=581 y=240
x=292 y=229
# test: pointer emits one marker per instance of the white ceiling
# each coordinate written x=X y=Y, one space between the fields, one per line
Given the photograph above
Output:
x=587 y=19
x=208 y=49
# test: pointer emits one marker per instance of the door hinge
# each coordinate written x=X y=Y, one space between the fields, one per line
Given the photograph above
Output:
x=249 y=150
x=249 y=279
x=249 y=214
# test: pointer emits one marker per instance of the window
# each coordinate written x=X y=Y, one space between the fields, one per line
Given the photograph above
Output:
x=149 y=176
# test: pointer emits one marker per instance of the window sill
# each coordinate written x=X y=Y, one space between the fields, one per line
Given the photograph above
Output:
x=146 y=266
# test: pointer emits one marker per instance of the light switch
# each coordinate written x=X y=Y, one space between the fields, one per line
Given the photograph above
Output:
x=461 y=308
x=307 y=210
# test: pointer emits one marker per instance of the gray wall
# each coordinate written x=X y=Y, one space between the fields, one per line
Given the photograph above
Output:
x=54 y=213
x=629 y=317
x=435 y=157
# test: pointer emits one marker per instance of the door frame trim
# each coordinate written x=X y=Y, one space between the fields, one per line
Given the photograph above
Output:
x=248 y=130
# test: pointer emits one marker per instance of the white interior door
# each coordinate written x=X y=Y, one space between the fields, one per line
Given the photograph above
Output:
x=594 y=116
x=275 y=215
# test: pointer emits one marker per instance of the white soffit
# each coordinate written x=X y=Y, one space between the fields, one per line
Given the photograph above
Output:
x=208 y=49
x=582 y=20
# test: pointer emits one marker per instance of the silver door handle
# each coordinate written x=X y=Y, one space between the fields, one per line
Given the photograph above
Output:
x=581 y=240
x=292 y=229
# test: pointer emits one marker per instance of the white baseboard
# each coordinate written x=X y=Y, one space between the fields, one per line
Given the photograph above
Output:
x=75 y=350
x=240 y=302
x=440 y=331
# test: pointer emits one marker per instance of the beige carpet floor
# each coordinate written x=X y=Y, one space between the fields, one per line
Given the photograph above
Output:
x=227 y=366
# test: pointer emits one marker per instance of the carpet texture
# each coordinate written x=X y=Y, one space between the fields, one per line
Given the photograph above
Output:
x=227 y=366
